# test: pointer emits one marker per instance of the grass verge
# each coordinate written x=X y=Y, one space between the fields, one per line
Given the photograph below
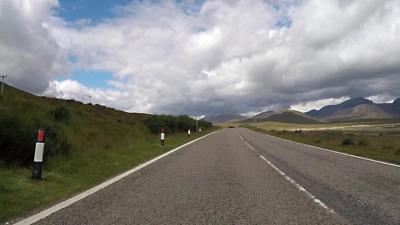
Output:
x=383 y=146
x=66 y=176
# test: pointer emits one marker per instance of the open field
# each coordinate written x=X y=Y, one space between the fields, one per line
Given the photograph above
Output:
x=379 y=141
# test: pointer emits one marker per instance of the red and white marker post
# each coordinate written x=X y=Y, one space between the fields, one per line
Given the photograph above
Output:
x=38 y=158
x=162 y=136
x=188 y=132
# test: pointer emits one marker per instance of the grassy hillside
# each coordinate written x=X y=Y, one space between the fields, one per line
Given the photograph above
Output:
x=85 y=144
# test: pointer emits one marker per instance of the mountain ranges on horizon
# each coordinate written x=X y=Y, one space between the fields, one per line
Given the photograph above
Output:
x=352 y=109
x=225 y=118
x=357 y=108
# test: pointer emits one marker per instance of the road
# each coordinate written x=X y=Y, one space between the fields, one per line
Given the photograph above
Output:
x=238 y=176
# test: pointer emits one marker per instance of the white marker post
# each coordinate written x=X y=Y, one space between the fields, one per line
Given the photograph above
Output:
x=38 y=158
x=162 y=136
x=189 y=132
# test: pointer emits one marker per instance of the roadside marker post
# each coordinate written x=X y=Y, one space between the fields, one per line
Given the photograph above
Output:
x=162 y=136
x=188 y=132
x=38 y=157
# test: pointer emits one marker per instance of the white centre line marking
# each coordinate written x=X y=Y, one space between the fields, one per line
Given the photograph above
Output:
x=290 y=180
x=241 y=138
x=298 y=186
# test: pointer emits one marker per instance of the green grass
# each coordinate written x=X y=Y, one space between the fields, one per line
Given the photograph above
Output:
x=374 y=144
x=103 y=142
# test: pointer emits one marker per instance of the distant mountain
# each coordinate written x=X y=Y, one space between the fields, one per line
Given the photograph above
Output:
x=357 y=108
x=329 y=110
x=289 y=116
x=263 y=115
x=225 y=118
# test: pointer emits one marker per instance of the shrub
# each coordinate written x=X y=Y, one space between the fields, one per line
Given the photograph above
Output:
x=173 y=124
x=362 y=142
x=61 y=113
x=397 y=152
x=18 y=137
x=347 y=141
x=16 y=140
x=388 y=147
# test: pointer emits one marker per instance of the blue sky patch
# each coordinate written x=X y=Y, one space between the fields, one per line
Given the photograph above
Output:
x=95 y=10
x=91 y=78
x=284 y=21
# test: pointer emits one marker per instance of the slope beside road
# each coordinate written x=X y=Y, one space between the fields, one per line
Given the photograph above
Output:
x=238 y=176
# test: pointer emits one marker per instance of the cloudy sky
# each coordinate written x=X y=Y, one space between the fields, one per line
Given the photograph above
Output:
x=203 y=57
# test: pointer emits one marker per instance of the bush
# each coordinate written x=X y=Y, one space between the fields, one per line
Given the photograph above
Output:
x=362 y=142
x=16 y=140
x=61 y=113
x=388 y=147
x=173 y=124
x=18 y=137
x=347 y=141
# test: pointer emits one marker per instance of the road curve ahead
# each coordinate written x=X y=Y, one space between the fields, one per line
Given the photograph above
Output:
x=238 y=176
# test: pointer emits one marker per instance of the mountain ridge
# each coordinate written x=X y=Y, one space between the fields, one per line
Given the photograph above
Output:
x=224 y=118
x=357 y=108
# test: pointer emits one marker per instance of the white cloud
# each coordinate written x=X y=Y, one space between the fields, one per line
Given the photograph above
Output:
x=71 y=89
x=30 y=56
x=307 y=106
x=230 y=56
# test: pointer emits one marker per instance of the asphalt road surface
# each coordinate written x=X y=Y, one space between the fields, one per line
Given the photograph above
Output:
x=238 y=176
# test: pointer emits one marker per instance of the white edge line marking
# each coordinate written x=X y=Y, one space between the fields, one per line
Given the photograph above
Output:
x=332 y=151
x=298 y=186
x=43 y=214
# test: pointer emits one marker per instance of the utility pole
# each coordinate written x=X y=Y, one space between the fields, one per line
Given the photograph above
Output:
x=90 y=99
x=3 y=76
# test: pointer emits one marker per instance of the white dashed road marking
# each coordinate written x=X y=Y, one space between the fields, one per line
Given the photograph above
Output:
x=290 y=180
